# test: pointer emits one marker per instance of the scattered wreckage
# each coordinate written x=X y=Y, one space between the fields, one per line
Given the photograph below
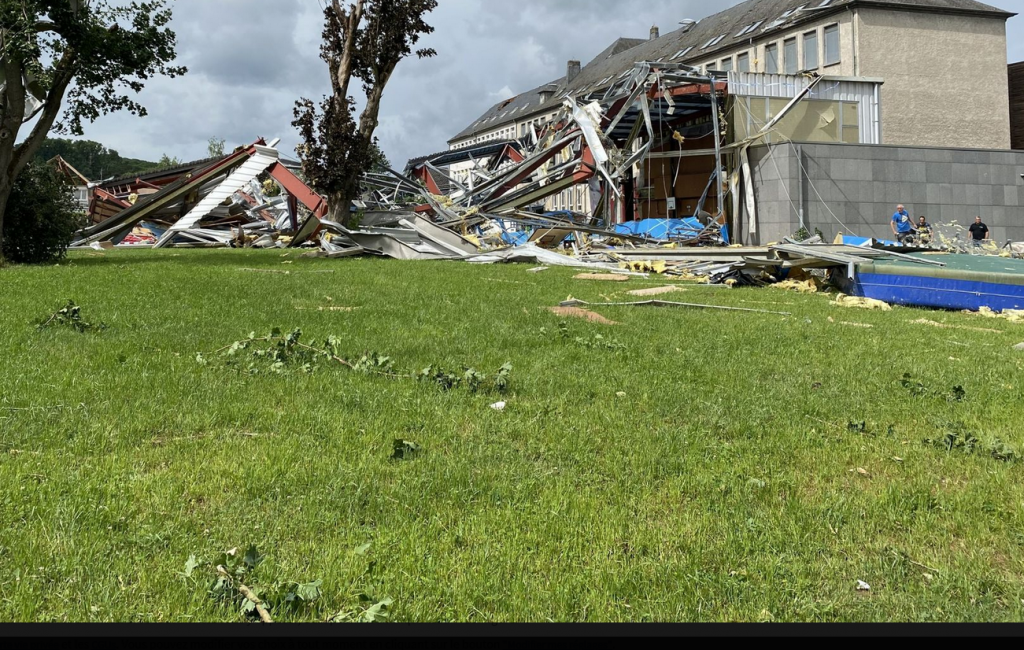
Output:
x=253 y=197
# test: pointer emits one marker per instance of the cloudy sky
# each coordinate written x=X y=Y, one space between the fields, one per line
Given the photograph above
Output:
x=249 y=60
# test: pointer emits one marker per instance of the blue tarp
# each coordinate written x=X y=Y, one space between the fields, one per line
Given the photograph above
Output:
x=860 y=241
x=666 y=229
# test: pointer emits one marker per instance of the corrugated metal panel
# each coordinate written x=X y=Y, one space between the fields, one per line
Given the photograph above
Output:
x=250 y=169
x=864 y=93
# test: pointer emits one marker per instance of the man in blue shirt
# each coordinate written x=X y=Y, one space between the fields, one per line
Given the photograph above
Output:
x=902 y=226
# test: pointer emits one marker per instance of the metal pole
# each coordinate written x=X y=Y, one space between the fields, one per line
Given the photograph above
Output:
x=718 y=147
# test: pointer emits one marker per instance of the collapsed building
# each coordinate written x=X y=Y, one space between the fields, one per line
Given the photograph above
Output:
x=879 y=129
x=737 y=130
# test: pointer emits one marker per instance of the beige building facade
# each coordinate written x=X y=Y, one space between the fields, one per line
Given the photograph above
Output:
x=939 y=65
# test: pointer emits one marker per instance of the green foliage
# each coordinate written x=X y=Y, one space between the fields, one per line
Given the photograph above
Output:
x=405 y=450
x=92 y=159
x=58 y=42
x=957 y=438
x=597 y=342
x=278 y=353
x=42 y=217
x=215 y=147
x=362 y=45
x=168 y=162
x=70 y=316
x=230 y=572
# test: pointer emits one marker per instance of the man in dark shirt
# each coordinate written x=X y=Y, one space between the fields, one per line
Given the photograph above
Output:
x=924 y=230
x=979 y=232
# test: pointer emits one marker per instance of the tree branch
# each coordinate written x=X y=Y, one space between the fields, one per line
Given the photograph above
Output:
x=63 y=75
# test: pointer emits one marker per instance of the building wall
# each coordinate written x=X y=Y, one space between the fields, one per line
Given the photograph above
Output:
x=1016 y=75
x=945 y=77
x=756 y=48
x=860 y=186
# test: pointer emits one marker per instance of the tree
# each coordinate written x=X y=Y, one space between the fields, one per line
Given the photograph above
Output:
x=216 y=147
x=42 y=218
x=378 y=159
x=365 y=41
x=167 y=161
x=83 y=54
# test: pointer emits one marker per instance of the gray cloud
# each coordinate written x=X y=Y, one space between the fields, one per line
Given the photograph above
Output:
x=249 y=60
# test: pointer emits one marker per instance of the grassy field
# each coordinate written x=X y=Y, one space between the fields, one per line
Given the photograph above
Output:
x=720 y=466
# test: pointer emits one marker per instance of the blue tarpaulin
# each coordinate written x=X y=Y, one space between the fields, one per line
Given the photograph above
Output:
x=860 y=241
x=666 y=229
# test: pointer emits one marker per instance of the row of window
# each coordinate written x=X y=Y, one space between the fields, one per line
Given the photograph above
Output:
x=575 y=199
x=507 y=133
x=819 y=47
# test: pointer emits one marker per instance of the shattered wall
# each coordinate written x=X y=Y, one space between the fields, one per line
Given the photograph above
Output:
x=931 y=96
x=862 y=184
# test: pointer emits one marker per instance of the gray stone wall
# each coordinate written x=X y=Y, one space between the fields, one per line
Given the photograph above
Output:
x=854 y=189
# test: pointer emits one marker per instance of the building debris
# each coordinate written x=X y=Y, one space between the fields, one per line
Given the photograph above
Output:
x=603 y=277
x=661 y=303
x=656 y=291
x=577 y=312
x=843 y=300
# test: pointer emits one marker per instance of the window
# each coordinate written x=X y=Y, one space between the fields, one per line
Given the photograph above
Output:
x=790 y=57
x=771 y=58
x=712 y=42
x=749 y=29
x=811 y=50
x=726 y=65
x=681 y=53
x=832 y=56
x=743 y=62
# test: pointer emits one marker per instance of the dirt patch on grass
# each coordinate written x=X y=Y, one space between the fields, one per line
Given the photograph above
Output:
x=576 y=312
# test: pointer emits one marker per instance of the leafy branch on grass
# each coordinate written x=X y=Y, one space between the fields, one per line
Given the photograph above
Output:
x=918 y=389
x=70 y=315
x=958 y=439
x=598 y=342
x=233 y=586
x=285 y=352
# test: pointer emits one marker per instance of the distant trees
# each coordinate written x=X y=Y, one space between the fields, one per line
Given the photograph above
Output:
x=365 y=41
x=92 y=159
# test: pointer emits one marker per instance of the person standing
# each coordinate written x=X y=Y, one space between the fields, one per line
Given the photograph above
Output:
x=979 y=232
x=923 y=230
x=902 y=227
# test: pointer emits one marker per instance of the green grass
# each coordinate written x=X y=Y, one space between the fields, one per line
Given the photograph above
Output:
x=719 y=489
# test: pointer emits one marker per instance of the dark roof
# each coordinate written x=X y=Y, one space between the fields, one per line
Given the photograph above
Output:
x=506 y=111
x=163 y=172
x=448 y=157
x=729 y=24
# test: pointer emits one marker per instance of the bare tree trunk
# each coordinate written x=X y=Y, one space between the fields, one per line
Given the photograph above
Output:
x=5 y=194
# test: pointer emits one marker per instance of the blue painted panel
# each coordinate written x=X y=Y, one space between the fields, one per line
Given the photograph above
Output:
x=938 y=293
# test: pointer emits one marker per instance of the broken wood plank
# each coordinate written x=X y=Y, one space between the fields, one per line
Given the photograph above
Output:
x=661 y=303
x=603 y=277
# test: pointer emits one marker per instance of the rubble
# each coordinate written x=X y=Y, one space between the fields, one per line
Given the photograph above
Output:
x=487 y=212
